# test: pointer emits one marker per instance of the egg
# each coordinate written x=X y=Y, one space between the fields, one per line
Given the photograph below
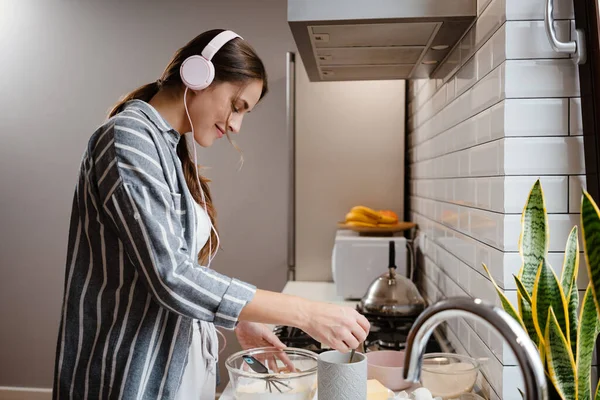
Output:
x=421 y=394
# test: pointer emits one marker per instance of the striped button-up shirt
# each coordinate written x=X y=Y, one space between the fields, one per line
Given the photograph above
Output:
x=132 y=282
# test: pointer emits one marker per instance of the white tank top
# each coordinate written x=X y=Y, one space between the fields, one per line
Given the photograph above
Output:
x=203 y=227
x=199 y=379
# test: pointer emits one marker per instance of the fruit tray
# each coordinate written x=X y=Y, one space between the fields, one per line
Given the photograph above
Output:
x=386 y=230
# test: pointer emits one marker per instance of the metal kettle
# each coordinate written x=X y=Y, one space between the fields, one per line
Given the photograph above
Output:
x=392 y=294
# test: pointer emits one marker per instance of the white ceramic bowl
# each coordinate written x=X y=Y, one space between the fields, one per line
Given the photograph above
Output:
x=387 y=367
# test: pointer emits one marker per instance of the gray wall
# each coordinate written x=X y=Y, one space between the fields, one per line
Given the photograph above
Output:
x=64 y=63
x=349 y=151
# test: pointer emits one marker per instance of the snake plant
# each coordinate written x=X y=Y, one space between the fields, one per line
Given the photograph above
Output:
x=548 y=305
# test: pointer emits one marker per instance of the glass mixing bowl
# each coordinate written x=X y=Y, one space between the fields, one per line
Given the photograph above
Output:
x=449 y=375
x=279 y=383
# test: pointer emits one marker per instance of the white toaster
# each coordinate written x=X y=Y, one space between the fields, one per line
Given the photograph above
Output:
x=358 y=260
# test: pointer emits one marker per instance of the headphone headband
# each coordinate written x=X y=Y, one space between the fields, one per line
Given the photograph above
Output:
x=218 y=41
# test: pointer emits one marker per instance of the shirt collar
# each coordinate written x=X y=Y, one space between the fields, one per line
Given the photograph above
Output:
x=153 y=115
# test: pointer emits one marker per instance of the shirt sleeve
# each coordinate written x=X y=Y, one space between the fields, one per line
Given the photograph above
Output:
x=145 y=213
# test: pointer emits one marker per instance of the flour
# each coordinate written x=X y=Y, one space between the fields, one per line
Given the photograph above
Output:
x=259 y=390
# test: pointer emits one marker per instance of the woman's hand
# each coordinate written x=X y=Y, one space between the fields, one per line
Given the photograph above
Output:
x=341 y=328
x=251 y=335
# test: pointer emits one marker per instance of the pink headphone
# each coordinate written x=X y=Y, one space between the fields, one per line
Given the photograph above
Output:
x=198 y=72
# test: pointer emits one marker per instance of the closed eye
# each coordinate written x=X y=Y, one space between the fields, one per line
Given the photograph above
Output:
x=245 y=106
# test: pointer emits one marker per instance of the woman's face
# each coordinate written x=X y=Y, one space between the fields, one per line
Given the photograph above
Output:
x=210 y=108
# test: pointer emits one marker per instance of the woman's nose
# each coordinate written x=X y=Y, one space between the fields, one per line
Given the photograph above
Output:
x=235 y=124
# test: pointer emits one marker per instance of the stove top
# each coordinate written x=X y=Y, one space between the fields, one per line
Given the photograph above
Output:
x=387 y=333
x=294 y=337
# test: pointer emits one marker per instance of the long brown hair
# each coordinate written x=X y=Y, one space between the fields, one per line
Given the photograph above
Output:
x=236 y=62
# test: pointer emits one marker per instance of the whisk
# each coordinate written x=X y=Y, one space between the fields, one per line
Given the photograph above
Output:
x=270 y=381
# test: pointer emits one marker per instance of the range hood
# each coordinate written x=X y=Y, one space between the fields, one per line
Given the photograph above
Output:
x=344 y=40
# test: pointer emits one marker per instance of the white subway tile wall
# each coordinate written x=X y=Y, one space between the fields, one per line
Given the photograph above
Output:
x=533 y=10
x=541 y=78
x=534 y=117
x=537 y=44
x=508 y=114
x=575 y=126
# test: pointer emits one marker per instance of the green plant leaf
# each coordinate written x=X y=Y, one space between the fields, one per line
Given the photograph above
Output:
x=526 y=313
x=597 y=396
x=561 y=364
x=568 y=280
x=571 y=261
x=542 y=351
x=572 y=308
x=547 y=293
x=524 y=301
x=586 y=338
x=506 y=305
x=552 y=391
x=533 y=241
x=590 y=229
x=522 y=291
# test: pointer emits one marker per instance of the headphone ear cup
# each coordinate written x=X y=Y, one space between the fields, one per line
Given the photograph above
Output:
x=197 y=72
x=211 y=73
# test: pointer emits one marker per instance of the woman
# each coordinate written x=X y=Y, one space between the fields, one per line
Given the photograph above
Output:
x=140 y=303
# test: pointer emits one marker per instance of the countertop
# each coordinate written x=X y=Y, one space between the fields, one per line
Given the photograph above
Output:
x=317 y=291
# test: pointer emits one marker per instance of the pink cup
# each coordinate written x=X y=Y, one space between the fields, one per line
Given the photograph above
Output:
x=387 y=367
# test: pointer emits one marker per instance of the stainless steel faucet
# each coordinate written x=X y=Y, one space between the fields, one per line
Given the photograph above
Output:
x=494 y=317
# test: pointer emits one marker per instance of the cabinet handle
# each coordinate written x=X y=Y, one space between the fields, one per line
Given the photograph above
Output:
x=575 y=47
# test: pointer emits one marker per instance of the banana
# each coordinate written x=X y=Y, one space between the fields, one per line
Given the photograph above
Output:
x=359 y=217
x=373 y=215
x=362 y=224
x=369 y=212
